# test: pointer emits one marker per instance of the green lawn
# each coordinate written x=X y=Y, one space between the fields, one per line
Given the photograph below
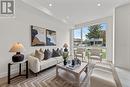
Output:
x=103 y=55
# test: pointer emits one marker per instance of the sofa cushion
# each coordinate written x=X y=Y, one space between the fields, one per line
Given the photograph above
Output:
x=47 y=63
x=39 y=55
x=59 y=59
x=95 y=57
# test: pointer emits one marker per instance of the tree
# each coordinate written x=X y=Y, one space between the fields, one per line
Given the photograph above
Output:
x=94 y=31
x=103 y=35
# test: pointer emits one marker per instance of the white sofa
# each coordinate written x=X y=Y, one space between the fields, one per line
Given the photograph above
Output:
x=36 y=66
x=104 y=75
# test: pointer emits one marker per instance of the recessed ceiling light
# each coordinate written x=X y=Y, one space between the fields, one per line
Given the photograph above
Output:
x=50 y=4
x=99 y=4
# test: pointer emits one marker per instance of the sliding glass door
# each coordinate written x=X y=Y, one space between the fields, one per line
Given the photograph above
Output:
x=89 y=37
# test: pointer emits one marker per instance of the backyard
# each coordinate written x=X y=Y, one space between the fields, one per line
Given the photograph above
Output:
x=91 y=37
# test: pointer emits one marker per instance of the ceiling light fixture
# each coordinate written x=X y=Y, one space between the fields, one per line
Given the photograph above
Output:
x=50 y=4
x=99 y=4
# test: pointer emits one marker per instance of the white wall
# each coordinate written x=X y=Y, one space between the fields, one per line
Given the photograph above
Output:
x=109 y=33
x=18 y=30
x=122 y=36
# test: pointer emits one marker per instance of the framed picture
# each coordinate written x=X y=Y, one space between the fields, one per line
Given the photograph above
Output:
x=50 y=38
x=38 y=36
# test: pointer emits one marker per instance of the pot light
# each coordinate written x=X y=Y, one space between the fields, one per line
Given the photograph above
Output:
x=50 y=4
x=99 y=4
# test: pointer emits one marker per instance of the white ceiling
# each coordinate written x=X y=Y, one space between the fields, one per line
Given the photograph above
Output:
x=76 y=11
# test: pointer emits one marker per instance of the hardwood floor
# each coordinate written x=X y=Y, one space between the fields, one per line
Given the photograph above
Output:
x=46 y=78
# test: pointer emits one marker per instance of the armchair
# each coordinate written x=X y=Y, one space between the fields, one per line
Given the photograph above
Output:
x=95 y=54
x=79 y=52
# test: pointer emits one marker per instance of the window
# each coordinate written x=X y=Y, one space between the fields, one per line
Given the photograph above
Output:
x=91 y=36
x=77 y=37
x=84 y=32
x=94 y=35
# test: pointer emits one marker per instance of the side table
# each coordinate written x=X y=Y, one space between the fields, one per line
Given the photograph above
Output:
x=15 y=63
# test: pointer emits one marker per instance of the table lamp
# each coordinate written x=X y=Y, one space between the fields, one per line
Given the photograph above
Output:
x=17 y=47
x=65 y=46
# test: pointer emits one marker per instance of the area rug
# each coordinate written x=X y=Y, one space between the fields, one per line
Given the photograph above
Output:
x=44 y=79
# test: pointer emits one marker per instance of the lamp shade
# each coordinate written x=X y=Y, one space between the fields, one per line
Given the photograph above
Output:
x=65 y=45
x=17 y=47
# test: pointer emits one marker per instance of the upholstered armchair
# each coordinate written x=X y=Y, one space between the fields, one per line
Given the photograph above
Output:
x=95 y=54
x=79 y=52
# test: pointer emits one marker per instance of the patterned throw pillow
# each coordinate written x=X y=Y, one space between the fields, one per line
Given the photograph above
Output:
x=58 y=52
x=39 y=55
x=47 y=54
x=55 y=53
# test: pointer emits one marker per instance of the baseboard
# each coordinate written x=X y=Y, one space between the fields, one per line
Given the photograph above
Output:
x=13 y=71
x=5 y=74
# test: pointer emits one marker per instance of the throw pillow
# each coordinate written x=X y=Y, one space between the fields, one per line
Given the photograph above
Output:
x=55 y=53
x=58 y=51
x=41 y=50
x=47 y=54
x=39 y=55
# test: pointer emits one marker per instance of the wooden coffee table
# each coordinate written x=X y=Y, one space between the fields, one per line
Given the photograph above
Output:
x=76 y=73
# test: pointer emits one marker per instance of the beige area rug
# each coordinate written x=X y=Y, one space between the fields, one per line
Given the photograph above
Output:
x=44 y=79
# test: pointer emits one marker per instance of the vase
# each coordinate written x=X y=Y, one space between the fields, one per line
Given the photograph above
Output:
x=65 y=62
x=65 y=50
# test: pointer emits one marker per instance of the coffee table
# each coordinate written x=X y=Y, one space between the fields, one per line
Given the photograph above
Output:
x=76 y=73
